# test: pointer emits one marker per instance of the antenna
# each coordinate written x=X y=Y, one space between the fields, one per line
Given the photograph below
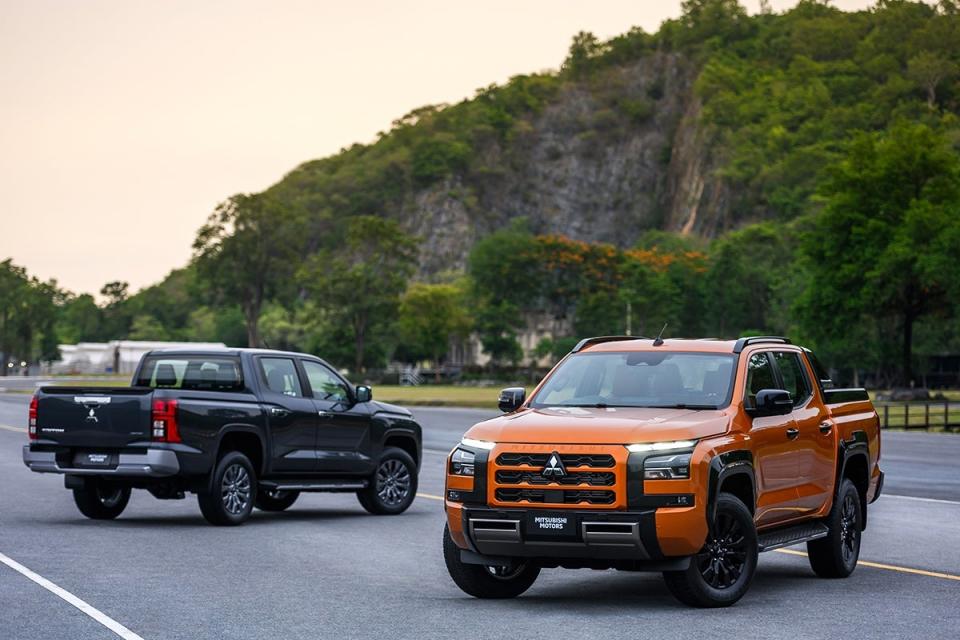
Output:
x=659 y=340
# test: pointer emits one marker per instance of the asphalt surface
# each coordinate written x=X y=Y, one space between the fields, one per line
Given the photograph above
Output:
x=326 y=569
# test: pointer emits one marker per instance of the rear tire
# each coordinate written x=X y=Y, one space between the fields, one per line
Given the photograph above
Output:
x=275 y=500
x=230 y=495
x=836 y=555
x=101 y=501
x=487 y=582
x=393 y=486
x=721 y=573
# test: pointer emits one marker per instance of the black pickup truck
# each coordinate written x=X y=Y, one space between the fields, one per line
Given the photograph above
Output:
x=238 y=427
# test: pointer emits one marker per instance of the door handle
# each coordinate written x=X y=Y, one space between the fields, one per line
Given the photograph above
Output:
x=793 y=432
x=279 y=412
x=825 y=427
x=324 y=414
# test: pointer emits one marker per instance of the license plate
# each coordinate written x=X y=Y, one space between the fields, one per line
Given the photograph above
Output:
x=93 y=460
x=550 y=525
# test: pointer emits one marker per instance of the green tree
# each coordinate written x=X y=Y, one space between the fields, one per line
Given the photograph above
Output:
x=246 y=253
x=145 y=327
x=358 y=284
x=431 y=315
x=890 y=207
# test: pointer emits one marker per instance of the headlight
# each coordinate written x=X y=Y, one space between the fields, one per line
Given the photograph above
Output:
x=461 y=462
x=661 y=446
x=478 y=444
x=667 y=467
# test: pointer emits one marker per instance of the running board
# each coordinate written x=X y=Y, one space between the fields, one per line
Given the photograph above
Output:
x=791 y=535
x=308 y=487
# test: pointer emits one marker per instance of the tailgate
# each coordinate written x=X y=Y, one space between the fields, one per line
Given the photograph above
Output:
x=96 y=417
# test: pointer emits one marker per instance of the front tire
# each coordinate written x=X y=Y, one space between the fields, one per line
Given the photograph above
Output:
x=393 y=485
x=721 y=573
x=487 y=582
x=276 y=500
x=101 y=501
x=230 y=495
x=836 y=555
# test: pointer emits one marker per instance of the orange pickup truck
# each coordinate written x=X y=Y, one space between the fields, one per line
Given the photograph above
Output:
x=686 y=457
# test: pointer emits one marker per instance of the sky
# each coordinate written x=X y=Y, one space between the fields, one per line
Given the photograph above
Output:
x=123 y=123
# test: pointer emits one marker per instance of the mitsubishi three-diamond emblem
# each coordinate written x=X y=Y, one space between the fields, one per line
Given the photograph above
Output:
x=554 y=467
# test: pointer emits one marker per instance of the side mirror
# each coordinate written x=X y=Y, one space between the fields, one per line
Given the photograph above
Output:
x=511 y=399
x=772 y=402
x=364 y=393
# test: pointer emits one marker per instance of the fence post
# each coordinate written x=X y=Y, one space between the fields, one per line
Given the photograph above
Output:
x=886 y=416
x=906 y=415
x=946 y=415
x=926 y=415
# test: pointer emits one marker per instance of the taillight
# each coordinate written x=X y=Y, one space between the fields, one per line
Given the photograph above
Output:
x=32 y=426
x=164 y=419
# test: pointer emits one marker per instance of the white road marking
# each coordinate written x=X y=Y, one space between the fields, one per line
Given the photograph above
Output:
x=14 y=429
x=936 y=500
x=94 y=613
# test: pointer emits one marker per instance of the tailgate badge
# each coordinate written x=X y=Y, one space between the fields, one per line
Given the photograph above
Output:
x=554 y=468
x=92 y=403
x=92 y=416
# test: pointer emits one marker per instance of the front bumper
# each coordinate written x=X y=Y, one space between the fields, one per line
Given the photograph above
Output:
x=589 y=535
x=153 y=463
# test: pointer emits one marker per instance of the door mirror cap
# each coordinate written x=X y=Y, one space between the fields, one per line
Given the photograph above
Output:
x=364 y=393
x=511 y=399
x=771 y=402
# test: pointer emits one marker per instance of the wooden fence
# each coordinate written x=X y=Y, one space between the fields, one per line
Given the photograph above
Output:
x=933 y=414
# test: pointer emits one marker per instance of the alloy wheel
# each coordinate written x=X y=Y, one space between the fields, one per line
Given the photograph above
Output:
x=849 y=529
x=723 y=558
x=235 y=489
x=393 y=482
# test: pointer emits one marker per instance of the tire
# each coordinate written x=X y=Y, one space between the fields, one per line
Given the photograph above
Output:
x=275 y=500
x=393 y=486
x=231 y=492
x=721 y=572
x=836 y=555
x=101 y=501
x=486 y=582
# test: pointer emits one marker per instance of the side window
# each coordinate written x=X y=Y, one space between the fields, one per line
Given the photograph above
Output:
x=794 y=377
x=280 y=374
x=323 y=382
x=821 y=372
x=759 y=376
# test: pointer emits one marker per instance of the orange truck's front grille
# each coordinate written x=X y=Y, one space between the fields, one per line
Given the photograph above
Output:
x=595 y=476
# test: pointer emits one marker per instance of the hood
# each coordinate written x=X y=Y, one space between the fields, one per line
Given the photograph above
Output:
x=386 y=407
x=613 y=425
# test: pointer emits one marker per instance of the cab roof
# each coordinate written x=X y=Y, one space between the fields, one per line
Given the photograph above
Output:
x=710 y=345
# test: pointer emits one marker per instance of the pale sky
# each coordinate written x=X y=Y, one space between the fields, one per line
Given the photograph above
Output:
x=123 y=123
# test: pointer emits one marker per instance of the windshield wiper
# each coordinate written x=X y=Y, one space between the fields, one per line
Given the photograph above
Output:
x=692 y=407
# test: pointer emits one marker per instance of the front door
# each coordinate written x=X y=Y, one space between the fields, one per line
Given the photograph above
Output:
x=775 y=464
x=343 y=432
x=815 y=447
x=291 y=416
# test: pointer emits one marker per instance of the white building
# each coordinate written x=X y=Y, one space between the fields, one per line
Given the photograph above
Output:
x=116 y=356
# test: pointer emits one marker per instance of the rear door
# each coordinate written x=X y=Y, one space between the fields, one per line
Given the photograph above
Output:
x=814 y=447
x=291 y=416
x=343 y=435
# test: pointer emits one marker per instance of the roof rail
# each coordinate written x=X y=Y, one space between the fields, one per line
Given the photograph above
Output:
x=586 y=342
x=743 y=342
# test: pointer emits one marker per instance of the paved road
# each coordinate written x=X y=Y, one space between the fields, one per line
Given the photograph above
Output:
x=326 y=569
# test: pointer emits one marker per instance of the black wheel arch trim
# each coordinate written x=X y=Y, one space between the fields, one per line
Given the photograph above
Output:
x=725 y=466
x=265 y=452
x=404 y=433
x=857 y=446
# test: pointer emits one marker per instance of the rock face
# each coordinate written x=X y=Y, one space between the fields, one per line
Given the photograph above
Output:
x=603 y=162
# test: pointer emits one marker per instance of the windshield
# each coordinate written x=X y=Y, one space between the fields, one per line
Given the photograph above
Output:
x=639 y=379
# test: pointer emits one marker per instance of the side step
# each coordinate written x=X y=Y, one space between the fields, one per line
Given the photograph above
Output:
x=788 y=536
x=314 y=485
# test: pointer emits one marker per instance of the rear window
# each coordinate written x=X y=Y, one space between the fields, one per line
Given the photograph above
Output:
x=199 y=373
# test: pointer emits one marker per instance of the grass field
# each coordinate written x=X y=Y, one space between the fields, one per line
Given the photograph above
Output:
x=439 y=395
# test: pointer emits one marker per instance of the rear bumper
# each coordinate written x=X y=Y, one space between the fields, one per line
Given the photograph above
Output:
x=154 y=463
x=622 y=538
